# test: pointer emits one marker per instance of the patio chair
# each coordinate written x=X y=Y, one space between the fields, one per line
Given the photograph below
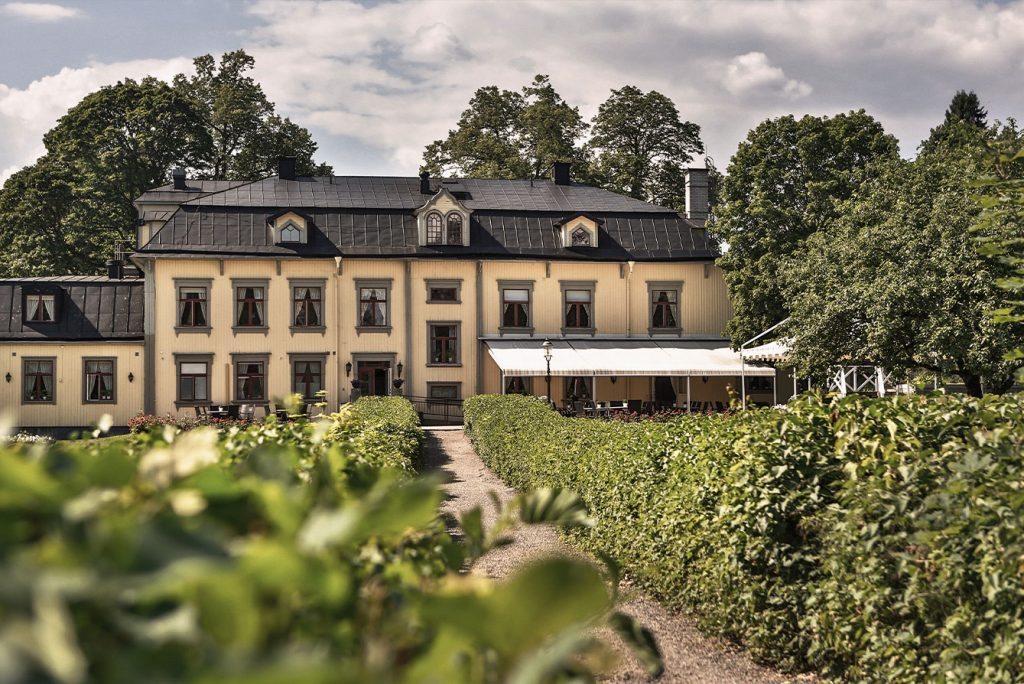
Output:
x=578 y=408
x=634 y=405
x=201 y=412
x=720 y=405
x=247 y=412
x=233 y=411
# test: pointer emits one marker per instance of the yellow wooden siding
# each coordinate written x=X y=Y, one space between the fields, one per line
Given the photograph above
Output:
x=70 y=410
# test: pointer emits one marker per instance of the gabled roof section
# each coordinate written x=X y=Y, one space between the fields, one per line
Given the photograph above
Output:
x=89 y=308
x=442 y=194
x=386 y=192
x=583 y=214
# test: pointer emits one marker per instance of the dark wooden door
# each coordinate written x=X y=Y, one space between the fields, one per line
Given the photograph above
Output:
x=373 y=376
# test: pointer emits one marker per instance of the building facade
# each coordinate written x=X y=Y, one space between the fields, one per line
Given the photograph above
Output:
x=431 y=288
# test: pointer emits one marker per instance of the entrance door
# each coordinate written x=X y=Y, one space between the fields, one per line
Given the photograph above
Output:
x=373 y=377
x=664 y=392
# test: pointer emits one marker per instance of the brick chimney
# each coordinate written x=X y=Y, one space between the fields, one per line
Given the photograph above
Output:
x=425 y=183
x=560 y=173
x=697 y=195
x=286 y=168
x=178 y=177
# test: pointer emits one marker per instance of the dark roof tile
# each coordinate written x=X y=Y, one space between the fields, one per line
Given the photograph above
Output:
x=88 y=308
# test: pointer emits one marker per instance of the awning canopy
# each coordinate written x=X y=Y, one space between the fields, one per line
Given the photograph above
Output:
x=620 y=358
x=773 y=351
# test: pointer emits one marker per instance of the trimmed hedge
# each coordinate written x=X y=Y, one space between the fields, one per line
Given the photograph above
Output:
x=295 y=551
x=878 y=539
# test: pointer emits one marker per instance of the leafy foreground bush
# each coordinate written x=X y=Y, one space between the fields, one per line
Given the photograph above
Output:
x=283 y=552
x=878 y=539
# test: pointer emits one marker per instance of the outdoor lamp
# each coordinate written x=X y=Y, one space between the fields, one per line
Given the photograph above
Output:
x=399 y=368
x=547 y=357
x=613 y=379
x=131 y=376
x=8 y=377
x=348 y=368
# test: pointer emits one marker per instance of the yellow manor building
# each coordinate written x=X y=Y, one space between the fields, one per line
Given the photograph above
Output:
x=240 y=293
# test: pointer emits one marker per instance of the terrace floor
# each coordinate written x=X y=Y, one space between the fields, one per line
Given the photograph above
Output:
x=689 y=655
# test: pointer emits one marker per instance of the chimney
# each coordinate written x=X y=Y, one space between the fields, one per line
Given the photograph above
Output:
x=697 y=195
x=115 y=269
x=425 y=182
x=560 y=173
x=286 y=168
x=178 y=176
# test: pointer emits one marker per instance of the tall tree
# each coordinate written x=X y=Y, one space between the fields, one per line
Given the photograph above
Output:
x=787 y=180
x=898 y=279
x=247 y=136
x=642 y=146
x=508 y=134
x=964 y=118
x=63 y=213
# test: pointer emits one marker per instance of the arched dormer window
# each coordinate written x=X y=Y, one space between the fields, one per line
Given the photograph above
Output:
x=581 y=237
x=434 y=222
x=454 y=221
x=291 y=233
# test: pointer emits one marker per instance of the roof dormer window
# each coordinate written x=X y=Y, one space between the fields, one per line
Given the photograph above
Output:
x=40 y=308
x=443 y=220
x=291 y=233
x=434 y=223
x=289 y=228
x=581 y=237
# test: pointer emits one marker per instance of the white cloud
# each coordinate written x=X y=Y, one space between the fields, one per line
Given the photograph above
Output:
x=377 y=82
x=753 y=73
x=40 y=11
x=27 y=113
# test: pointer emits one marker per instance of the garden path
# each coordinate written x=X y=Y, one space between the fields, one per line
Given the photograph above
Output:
x=689 y=655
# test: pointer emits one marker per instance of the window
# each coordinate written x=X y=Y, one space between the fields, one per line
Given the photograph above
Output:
x=454 y=236
x=307 y=378
x=291 y=233
x=306 y=307
x=515 y=312
x=99 y=380
x=40 y=308
x=250 y=379
x=443 y=291
x=518 y=385
x=373 y=307
x=434 y=221
x=38 y=381
x=444 y=343
x=578 y=389
x=759 y=384
x=250 y=307
x=448 y=391
x=581 y=237
x=443 y=294
x=578 y=309
x=192 y=311
x=193 y=381
x=665 y=309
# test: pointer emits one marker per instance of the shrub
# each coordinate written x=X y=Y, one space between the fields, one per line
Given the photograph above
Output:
x=868 y=538
x=280 y=551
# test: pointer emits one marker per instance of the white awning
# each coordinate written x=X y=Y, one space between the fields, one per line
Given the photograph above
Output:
x=620 y=358
x=773 y=351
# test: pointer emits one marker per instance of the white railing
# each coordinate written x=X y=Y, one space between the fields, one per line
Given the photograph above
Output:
x=862 y=380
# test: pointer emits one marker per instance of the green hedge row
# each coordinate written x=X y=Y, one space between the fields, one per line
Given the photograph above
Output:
x=878 y=539
x=299 y=551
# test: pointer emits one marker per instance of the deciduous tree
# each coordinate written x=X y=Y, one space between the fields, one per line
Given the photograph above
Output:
x=787 y=180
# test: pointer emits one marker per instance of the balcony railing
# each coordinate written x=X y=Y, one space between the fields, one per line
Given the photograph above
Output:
x=438 y=411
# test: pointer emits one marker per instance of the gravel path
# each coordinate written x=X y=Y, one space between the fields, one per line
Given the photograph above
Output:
x=689 y=655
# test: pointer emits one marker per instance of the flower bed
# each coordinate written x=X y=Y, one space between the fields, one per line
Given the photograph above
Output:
x=873 y=539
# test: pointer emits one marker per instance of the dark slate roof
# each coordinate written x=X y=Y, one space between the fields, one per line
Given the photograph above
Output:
x=386 y=192
x=374 y=216
x=166 y=194
x=621 y=236
x=88 y=308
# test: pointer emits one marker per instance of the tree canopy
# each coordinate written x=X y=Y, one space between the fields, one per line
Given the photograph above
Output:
x=787 y=180
x=898 y=278
x=509 y=134
x=63 y=213
x=642 y=146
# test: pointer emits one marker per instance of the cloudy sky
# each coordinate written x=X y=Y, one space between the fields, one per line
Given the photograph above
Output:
x=376 y=81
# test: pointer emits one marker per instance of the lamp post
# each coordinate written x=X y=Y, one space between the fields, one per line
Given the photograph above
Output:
x=547 y=357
